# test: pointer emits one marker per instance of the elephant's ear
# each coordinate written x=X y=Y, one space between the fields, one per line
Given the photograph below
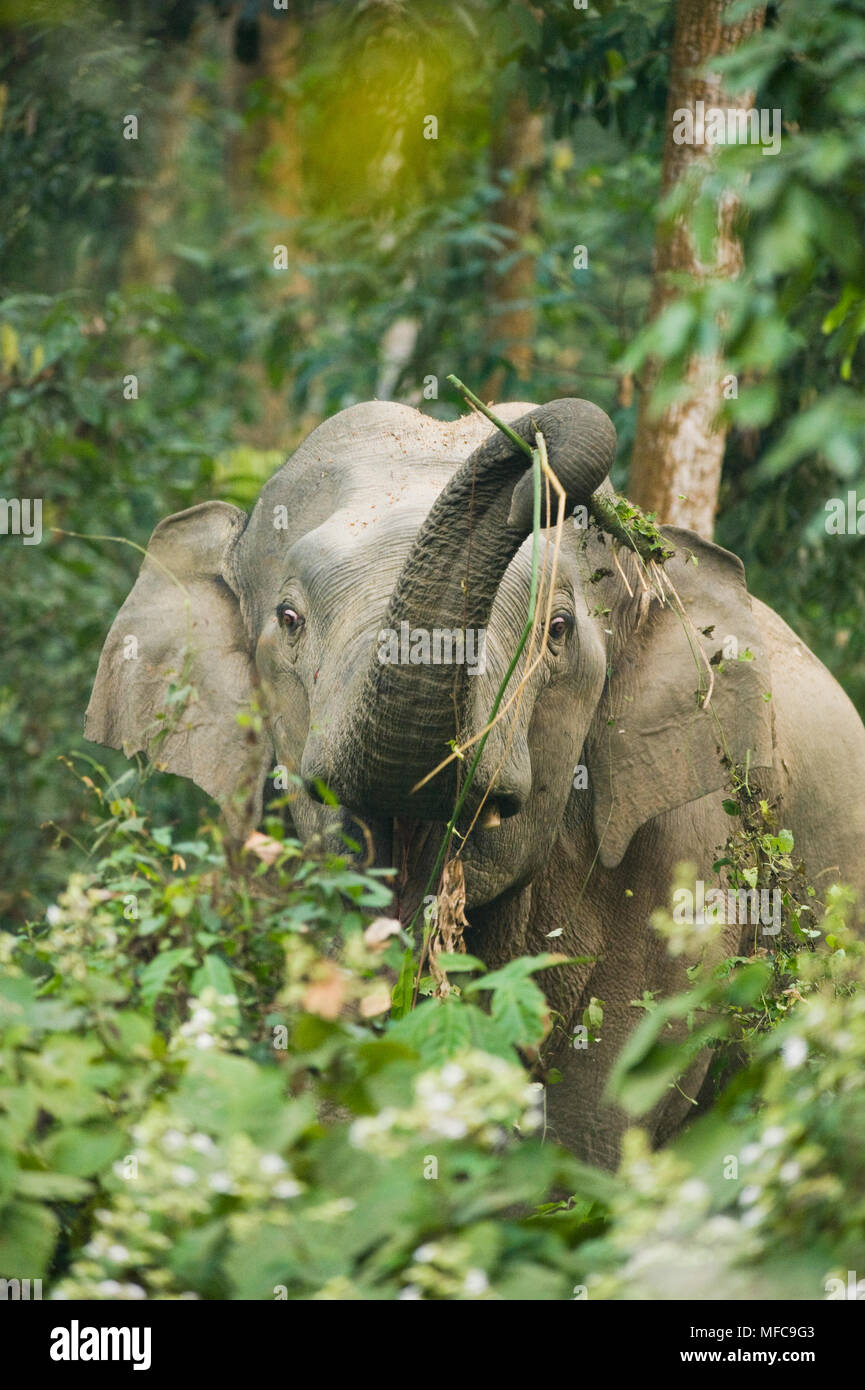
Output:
x=659 y=735
x=180 y=630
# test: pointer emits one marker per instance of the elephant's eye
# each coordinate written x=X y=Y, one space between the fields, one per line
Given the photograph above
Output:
x=289 y=618
x=560 y=625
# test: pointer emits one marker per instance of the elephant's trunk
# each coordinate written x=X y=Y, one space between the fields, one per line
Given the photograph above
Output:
x=407 y=714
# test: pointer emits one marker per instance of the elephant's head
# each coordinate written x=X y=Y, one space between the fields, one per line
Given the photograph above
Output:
x=387 y=525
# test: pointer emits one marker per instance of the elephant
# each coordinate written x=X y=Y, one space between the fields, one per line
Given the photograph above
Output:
x=607 y=773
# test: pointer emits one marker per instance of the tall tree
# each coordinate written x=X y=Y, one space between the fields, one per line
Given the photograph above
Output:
x=516 y=157
x=679 y=450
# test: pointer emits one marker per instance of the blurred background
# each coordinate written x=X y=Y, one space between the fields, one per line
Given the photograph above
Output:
x=220 y=223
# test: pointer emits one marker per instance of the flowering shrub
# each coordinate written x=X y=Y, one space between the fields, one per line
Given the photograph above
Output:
x=201 y=1098
x=203 y=1095
x=763 y=1197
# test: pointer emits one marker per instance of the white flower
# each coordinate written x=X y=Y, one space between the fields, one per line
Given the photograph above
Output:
x=287 y=1187
x=221 y=1182
x=451 y=1126
x=752 y=1217
x=721 y=1228
x=366 y=1127
x=117 y=1254
x=751 y=1153
x=202 y=1144
x=425 y=1254
x=202 y=1018
x=749 y=1195
x=476 y=1281
x=172 y=1140
x=439 y=1100
x=794 y=1051
x=110 y=1287
x=773 y=1136
x=53 y=915
x=409 y=1293
x=453 y=1075
x=204 y=1040
x=271 y=1164
x=789 y=1171
x=183 y=1175
x=134 y=1291
x=694 y=1191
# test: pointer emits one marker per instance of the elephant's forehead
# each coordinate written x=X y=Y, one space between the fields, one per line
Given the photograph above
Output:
x=369 y=430
x=358 y=543
x=378 y=447
x=352 y=498
x=352 y=558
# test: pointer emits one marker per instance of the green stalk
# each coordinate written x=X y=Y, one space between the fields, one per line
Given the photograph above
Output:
x=499 y=424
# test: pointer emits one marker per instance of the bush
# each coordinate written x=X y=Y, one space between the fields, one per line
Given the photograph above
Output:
x=202 y=1100
x=206 y=1095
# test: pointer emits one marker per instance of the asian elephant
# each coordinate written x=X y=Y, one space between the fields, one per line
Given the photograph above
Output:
x=384 y=517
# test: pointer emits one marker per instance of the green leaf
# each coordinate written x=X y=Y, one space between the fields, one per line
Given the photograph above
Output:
x=154 y=978
x=82 y=1152
x=649 y=1064
x=403 y=990
x=27 y=1235
x=213 y=971
x=453 y=962
x=228 y=1095
x=435 y=1030
x=51 y=1187
x=520 y=1010
x=748 y=983
x=519 y=969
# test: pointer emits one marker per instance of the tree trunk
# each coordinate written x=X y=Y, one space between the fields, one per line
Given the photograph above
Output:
x=264 y=156
x=678 y=453
x=263 y=174
x=149 y=258
x=517 y=158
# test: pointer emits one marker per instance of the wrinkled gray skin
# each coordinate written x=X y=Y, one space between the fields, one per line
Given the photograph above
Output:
x=389 y=516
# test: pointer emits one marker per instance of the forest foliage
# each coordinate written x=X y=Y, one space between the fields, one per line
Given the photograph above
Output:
x=143 y=993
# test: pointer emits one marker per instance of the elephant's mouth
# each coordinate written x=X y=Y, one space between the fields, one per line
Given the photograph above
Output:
x=416 y=844
x=409 y=848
